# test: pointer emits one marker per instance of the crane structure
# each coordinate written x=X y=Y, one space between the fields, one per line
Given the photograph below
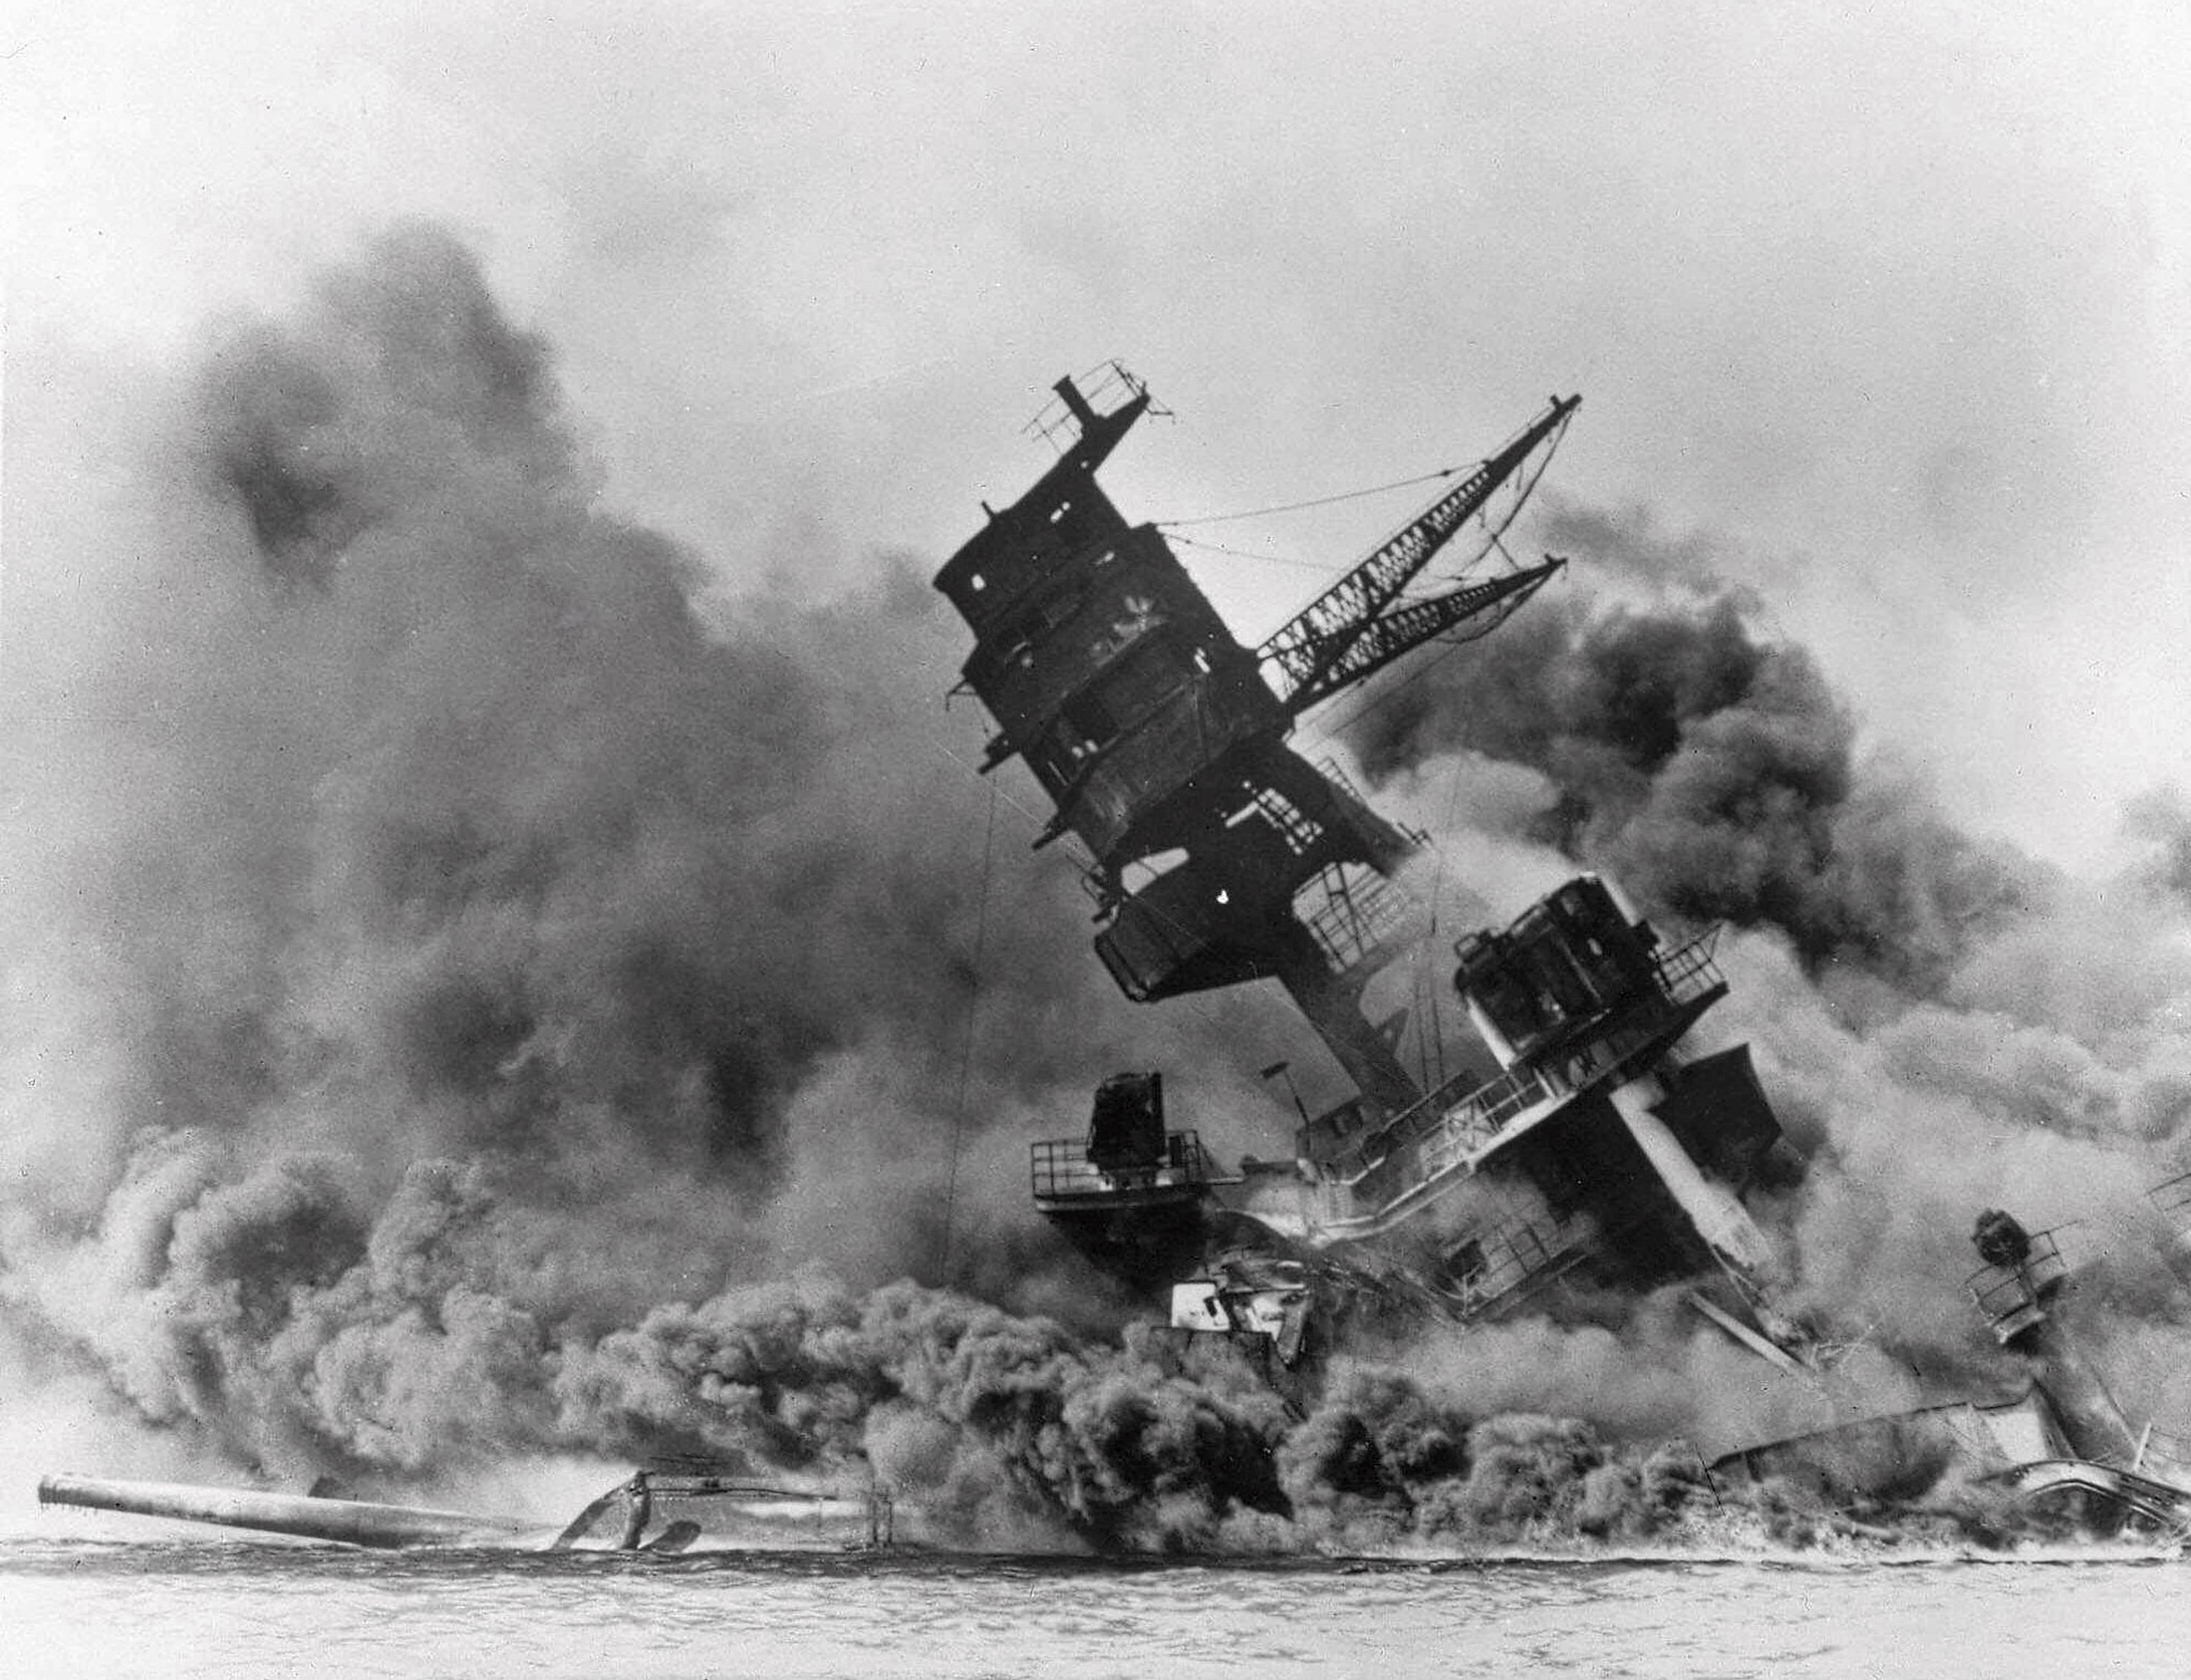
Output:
x=1219 y=854
x=1349 y=631
x=1603 y=1149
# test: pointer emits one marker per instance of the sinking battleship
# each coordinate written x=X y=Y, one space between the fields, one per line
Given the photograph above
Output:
x=1592 y=1153
x=1598 y=1153
x=1595 y=1153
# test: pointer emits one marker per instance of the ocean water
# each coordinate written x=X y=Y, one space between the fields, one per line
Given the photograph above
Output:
x=220 y=1608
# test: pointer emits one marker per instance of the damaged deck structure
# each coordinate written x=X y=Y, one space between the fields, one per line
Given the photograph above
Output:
x=1218 y=856
x=1588 y=1147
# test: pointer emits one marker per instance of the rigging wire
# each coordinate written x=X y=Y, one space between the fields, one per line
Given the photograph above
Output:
x=1037 y=818
x=1331 y=731
x=1521 y=494
x=1372 y=698
x=1414 y=592
x=966 y=1051
x=1314 y=501
x=967 y=764
x=1327 y=567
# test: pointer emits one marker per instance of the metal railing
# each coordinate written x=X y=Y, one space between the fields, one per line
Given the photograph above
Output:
x=1060 y=1170
x=2009 y=1296
x=1454 y=1127
x=1688 y=972
x=1295 y=825
x=1447 y=1124
x=1328 y=767
x=1516 y=1254
x=1473 y=1122
x=1360 y=912
x=1368 y=1188
x=1106 y=388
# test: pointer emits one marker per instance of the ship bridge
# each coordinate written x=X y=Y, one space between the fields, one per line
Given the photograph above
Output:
x=1595 y=1145
x=1461 y=1126
x=1380 y=1181
x=1218 y=854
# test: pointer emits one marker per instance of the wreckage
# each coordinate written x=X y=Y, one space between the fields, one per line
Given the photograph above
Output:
x=1593 y=1151
x=2062 y=1440
x=1596 y=1154
x=1590 y=1152
x=664 y=1510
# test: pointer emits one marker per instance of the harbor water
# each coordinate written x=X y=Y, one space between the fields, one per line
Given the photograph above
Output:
x=76 y=1607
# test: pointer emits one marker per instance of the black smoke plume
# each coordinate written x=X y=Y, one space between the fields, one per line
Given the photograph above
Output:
x=473 y=920
x=1712 y=771
x=487 y=983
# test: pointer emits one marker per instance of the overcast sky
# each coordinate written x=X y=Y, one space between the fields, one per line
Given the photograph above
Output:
x=1888 y=308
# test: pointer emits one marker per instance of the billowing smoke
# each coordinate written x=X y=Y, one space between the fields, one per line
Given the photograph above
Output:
x=488 y=982
x=2161 y=822
x=1944 y=1024
x=1710 y=769
x=456 y=920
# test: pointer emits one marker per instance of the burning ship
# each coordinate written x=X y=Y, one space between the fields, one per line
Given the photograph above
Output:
x=2061 y=1440
x=1597 y=1155
x=1591 y=1153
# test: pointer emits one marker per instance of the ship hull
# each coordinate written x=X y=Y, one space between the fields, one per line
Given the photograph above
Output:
x=672 y=1515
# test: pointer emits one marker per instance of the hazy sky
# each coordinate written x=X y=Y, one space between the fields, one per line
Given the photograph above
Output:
x=1887 y=309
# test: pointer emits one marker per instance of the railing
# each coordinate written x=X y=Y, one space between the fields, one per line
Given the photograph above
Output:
x=1106 y=388
x=1328 y=767
x=1454 y=1127
x=1443 y=1108
x=1611 y=1050
x=1295 y=825
x=1449 y=1122
x=1060 y=1170
x=1516 y=1255
x=1449 y=1139
x=1483 y=1115
x=1360 y=913
x=1688 y=972
x=2009 y=1296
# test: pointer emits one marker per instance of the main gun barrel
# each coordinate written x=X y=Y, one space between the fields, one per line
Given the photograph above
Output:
x=349 y=1522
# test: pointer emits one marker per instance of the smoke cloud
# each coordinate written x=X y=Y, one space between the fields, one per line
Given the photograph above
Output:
x=491 y=983
x=417 y=809
x=1709 y=768
x=1943 y=1023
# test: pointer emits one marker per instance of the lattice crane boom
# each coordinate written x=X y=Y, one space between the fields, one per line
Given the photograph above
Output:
x=1481 y=608
x=1308 y=652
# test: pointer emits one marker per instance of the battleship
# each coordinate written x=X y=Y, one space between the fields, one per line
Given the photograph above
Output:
x=1597 y=1153
x=1585 y=1151
x=1590 y=1151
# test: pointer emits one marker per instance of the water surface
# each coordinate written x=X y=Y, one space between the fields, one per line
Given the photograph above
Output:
x=74 y=1607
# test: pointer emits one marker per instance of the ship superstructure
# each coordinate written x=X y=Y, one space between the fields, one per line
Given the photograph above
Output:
x=1218 y=856
x=1595 y=1148
x=2055 y=1435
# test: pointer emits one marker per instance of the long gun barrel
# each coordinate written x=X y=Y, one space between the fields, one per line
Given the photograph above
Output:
x=350 y=1522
